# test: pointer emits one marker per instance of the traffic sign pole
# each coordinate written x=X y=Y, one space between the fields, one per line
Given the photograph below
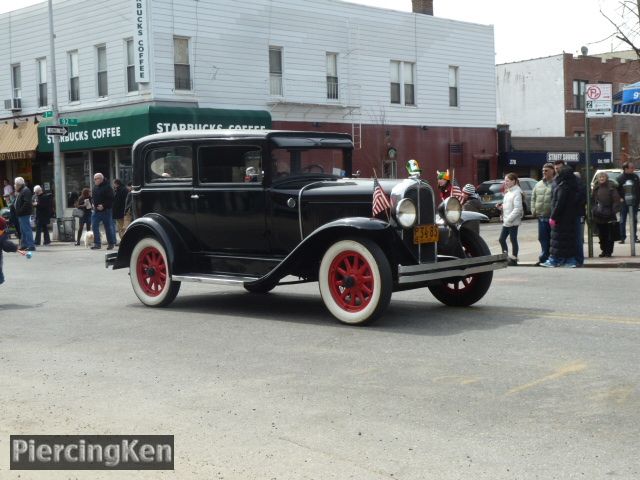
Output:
x=57 y=162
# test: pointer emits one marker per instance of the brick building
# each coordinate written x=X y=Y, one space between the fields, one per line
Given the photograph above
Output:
x=541 y=106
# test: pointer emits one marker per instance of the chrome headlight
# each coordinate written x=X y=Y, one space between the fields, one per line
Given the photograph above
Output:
x=450 y=210
x=406 y=213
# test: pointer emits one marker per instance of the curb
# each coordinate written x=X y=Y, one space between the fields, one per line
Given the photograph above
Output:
x=588 y=264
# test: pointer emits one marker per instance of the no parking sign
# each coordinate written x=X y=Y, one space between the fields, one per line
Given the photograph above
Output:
x=598 y=100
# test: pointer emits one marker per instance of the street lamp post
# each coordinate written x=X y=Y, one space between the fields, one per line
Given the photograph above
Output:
x=57 y=163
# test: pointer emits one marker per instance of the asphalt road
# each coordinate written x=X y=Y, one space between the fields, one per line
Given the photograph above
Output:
x=539 y=380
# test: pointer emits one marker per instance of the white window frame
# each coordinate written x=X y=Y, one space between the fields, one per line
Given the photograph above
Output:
x=176 y=85
x=16 y=81
x=454 y=86
x=102 y=72
x=130 y=69
x=399 y=80
x=333 y=84
x=41 y=79
x=276 y=83
x=74 y=73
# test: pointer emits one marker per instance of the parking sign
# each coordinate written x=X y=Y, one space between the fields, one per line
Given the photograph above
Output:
x=598 y=100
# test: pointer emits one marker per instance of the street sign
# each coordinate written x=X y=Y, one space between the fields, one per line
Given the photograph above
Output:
x=68 y=121
x=56 y=130
x=598 y=98
x=47 y=114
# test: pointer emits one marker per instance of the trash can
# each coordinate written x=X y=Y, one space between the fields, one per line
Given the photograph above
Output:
x=67 y=229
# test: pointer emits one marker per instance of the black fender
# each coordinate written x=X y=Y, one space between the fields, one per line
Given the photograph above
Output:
x=159 y=227
x=308 y=254
x=468 y=216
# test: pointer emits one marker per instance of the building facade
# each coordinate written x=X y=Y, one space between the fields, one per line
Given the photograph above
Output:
x=404 y=85
x=541 y=106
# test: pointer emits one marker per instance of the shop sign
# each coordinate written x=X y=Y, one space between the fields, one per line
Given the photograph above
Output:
x=124 y=126
x=141 y=41
x=569 y=157
x=17 y=155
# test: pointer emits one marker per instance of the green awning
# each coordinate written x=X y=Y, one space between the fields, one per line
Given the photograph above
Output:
x=122 y=127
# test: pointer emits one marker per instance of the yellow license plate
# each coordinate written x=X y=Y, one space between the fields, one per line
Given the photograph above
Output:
x=486 y=198
x=426 y=234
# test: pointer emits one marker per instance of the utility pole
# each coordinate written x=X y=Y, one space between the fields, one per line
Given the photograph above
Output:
x=57 y=163
x=587 y=184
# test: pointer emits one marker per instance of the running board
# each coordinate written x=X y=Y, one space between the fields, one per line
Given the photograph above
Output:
x=216 y=279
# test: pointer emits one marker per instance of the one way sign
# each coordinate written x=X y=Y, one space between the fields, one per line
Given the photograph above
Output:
x=57 y=130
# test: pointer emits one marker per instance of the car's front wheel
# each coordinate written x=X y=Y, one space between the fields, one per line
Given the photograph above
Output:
x=151 y=275
x=465 y=291
x=355 y=281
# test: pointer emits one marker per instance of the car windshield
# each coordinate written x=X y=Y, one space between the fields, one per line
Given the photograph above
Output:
x=489 y=189
x=314 y=161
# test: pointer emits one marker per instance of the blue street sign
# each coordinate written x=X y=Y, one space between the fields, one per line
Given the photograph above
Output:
x=631 y=93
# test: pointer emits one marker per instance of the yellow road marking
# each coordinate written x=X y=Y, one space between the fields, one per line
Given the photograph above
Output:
x=617 y=395
x=459 y=379
x=574 y=367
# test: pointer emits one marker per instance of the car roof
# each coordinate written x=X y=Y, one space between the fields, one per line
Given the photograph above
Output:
x=232 y=133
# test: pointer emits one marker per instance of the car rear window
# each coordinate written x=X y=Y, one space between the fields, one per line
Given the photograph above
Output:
x=489 y=188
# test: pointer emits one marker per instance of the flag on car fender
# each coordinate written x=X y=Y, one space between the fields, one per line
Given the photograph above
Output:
x=380 y=200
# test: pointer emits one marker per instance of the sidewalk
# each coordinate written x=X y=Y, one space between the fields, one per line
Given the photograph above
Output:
x=530 y=248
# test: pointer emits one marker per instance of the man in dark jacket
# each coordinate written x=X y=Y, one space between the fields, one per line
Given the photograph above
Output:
x=628 y=174
x=119 y=200
x=24 y=208
x=102 y=196
x=42 y=202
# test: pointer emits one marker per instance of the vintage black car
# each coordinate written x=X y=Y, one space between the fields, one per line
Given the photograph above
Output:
x=262 y=208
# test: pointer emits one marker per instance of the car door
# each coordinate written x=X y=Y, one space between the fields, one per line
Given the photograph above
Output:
x=229 y=198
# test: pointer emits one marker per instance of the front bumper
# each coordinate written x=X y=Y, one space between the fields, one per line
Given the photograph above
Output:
x=462 y=267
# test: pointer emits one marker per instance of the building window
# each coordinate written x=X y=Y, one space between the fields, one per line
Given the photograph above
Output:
x=103 y=87
x=402 y=83
x=132 y=85
x=578 y=94
x=275 y=71
x=182 y=69
x=41 y=72
x=453 y=87
x=16 y=81
x=332 y=76
x=74 y=78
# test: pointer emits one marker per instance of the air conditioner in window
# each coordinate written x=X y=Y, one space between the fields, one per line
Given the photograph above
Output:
x=13 y=104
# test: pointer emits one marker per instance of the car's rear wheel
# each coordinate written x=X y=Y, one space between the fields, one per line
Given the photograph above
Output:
x=151 y=275
x=465 y=291
x=355 y=281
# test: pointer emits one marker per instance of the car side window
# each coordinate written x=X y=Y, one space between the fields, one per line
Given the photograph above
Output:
x=169 y=164
x=230 y=164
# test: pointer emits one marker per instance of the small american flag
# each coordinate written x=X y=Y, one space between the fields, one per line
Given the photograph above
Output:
x=455 y=189
x=380 y=200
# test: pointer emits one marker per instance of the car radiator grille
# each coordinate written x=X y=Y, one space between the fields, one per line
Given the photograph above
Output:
x=423 y=198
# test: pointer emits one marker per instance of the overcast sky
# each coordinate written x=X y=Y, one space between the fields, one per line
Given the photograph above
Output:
x=523 y=28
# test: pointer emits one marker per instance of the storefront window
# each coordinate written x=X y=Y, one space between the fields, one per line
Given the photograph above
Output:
x=124 y=165
x=76 y=175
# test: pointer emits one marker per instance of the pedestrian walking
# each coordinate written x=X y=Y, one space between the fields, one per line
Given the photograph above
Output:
x=6 y=245
x=102 y=195
x=86 y=206
x=512 y=213
x=606 y=203
x=564 y=211
x=541 y=209
x=628 y=170
x=44 y=207
x=24 y=209
x=119 y=201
